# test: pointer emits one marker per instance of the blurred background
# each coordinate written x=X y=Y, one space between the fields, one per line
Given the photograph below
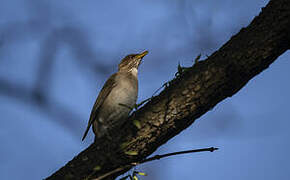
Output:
x=55 y=56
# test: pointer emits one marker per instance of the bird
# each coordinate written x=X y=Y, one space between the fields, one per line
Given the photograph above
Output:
x=117 y=97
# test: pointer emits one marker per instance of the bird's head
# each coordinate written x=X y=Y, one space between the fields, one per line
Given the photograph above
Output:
x=131 y=62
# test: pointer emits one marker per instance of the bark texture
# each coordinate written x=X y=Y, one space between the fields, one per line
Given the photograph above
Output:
x=189 y=96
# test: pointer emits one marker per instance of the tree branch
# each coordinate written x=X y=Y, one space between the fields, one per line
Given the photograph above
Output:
x=189 y=96
x=156 y=157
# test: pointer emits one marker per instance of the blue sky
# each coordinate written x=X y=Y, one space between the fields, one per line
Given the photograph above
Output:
x=56 y=55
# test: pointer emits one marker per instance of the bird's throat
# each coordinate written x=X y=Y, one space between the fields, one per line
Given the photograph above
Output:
x=134 y=72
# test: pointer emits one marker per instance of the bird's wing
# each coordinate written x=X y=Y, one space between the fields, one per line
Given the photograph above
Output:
x=106 y=90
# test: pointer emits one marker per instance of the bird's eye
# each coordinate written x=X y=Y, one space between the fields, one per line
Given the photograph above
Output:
x=130 y=56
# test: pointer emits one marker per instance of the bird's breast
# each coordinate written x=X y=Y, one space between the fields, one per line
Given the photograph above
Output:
x=120 y=101
x=125 y=93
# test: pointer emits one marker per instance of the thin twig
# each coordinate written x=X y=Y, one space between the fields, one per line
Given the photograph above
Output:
x=153 y=95
x=156 y=157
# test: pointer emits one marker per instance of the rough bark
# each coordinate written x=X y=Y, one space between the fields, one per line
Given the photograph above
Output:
x=190 y=95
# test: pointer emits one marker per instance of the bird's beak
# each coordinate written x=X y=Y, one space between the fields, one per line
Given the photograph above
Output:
x=140 y=56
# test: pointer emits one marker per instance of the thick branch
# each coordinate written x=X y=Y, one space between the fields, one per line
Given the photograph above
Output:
x=190 y=95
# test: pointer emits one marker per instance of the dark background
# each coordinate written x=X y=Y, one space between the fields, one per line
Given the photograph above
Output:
x=55 y=56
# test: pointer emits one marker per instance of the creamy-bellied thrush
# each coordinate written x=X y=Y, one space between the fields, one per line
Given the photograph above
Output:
x=117 y=97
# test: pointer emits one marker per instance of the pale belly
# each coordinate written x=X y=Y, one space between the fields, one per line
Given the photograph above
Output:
x=116 y=107
x=123 y=101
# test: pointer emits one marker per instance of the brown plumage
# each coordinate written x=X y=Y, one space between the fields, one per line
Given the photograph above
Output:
x=118 y=94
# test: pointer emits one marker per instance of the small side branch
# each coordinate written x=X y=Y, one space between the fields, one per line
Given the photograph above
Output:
x=156 y=157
